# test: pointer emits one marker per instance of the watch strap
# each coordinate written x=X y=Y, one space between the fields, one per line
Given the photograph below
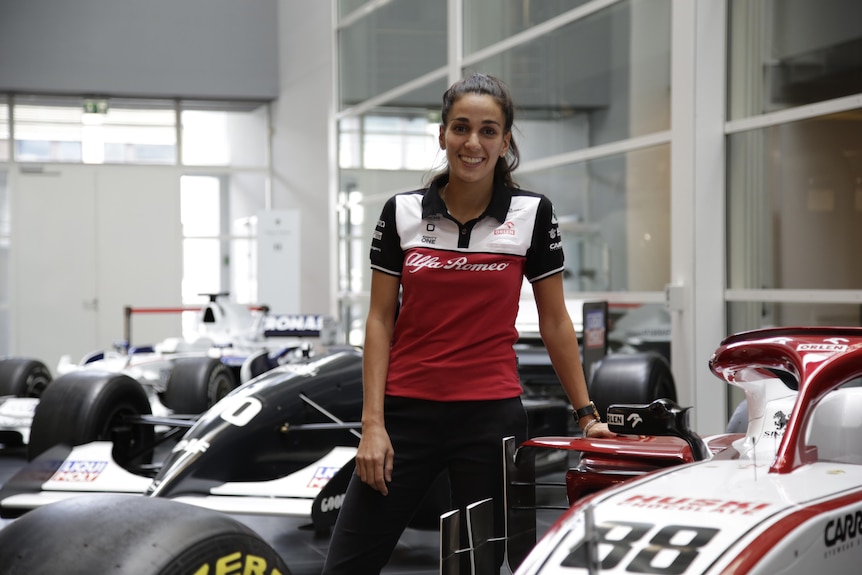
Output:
x=589 y=409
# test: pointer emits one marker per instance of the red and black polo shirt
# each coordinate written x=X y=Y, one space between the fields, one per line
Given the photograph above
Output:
x=461 y=285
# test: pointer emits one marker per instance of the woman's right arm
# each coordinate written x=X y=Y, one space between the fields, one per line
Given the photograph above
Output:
x=375 y=455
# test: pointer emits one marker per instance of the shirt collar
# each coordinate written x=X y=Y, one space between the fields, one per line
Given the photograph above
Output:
x=498 y=208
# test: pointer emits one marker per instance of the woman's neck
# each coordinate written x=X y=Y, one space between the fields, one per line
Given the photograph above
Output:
x=466 y=203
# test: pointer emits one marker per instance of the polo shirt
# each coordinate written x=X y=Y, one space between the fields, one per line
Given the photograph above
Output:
x=460 y=289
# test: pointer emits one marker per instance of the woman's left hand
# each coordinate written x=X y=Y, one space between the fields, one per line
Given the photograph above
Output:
x=599 y=430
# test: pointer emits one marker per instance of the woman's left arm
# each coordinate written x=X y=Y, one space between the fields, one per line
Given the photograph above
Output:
x=561 y=341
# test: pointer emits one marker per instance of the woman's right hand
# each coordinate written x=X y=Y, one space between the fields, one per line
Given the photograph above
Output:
x=374 y=458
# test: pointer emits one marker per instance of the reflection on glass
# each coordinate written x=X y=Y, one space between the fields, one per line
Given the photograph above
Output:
x=791 y=53
x=347 y=7
x=635 y=328
x=745 y=316
x=615 y=217
x=489 y=21
x=795 y=205
x=601 y=79
x=398 y=42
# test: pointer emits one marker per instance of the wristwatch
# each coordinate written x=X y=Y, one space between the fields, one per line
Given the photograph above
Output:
x=589 y=409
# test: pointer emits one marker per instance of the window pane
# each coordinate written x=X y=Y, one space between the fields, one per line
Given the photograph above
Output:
x=398 y=42
x=225 y=137
x=487 y=22
x=200 y=206
x=5 y=275
x=790 y=53
x=105 y=131
x=615 y=217
x=4 y=130
x=795 y=205
x=744 y=316
x=602 y=79
x=202 y=268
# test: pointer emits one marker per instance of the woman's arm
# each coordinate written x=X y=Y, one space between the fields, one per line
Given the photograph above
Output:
x=375 y=455
x=561 y=341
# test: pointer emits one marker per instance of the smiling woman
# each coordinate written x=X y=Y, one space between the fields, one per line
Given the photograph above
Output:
x=441 y=387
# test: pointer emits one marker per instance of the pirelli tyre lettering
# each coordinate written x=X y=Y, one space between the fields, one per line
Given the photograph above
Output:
x=238 y=563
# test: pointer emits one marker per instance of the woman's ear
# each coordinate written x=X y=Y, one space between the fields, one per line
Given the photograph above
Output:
x=506 y=139
x=442 y=137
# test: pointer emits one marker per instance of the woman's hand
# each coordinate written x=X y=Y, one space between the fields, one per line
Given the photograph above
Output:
x=374 y=458
x=599 y=430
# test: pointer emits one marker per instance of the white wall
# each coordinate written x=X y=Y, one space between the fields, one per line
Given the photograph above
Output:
x=301 y=144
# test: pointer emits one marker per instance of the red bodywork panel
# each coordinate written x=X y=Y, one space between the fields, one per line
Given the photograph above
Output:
x=608 y=461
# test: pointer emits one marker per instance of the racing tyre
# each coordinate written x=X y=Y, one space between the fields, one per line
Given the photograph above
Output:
x=631 y=378
x=132 y=535
x=196 y=384
x=89 y=405
x=23 y=377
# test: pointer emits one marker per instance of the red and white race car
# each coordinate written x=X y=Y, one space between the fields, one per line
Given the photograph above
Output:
x=784 y=497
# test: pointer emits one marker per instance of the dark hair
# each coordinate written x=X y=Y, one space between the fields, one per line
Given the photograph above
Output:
x=486 y=85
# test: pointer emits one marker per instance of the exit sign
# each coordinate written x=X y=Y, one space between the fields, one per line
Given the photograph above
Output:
x=95 y=106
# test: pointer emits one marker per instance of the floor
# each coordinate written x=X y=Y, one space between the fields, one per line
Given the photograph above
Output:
x=303 y=552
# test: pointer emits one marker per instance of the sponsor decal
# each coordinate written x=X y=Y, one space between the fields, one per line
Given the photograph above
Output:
x=843 y=533
x=429 y=240
x=821 y=347
x=780 y=418
x=634 y=419
x=594 y=329
x=430 y=227
x=508 y=228
x=376 y=235
x=415 y=262
x=331 y=503
x=80 y=471
x=672 y=549
x=238 y=563
x=381 y=224
x=321 y=476
x=554 y=233
x=616 y=419
x=725 y=507
x=193 y=445
x=292 y=325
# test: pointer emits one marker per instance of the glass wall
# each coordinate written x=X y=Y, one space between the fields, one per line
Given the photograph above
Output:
x=224 y=152
x=794 y=163
x=587 y=79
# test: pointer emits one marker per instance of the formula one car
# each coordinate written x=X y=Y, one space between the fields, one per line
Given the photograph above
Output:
x=281 y=444
x=784 y=497
x=228 y=344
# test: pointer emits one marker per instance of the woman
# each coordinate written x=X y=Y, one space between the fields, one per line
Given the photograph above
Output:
x=441 y=385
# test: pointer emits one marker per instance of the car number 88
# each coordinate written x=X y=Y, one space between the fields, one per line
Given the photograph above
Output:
x=670 y=551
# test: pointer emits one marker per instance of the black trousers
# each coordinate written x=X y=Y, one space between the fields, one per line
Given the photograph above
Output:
x=429 y=437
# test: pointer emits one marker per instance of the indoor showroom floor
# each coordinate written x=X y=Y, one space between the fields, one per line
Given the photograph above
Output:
x=302 y=551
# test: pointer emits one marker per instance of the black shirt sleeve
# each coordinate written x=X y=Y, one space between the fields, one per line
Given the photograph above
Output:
x=386 y=253
x=545 y=256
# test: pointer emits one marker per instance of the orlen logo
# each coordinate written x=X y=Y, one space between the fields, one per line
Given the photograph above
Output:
x=238 y=564
x=331 y=503
x=507 y=229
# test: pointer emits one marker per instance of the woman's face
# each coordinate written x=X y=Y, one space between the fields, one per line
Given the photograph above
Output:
x=474 y=138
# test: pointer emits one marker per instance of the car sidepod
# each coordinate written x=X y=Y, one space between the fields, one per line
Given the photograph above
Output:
x=269 y=428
